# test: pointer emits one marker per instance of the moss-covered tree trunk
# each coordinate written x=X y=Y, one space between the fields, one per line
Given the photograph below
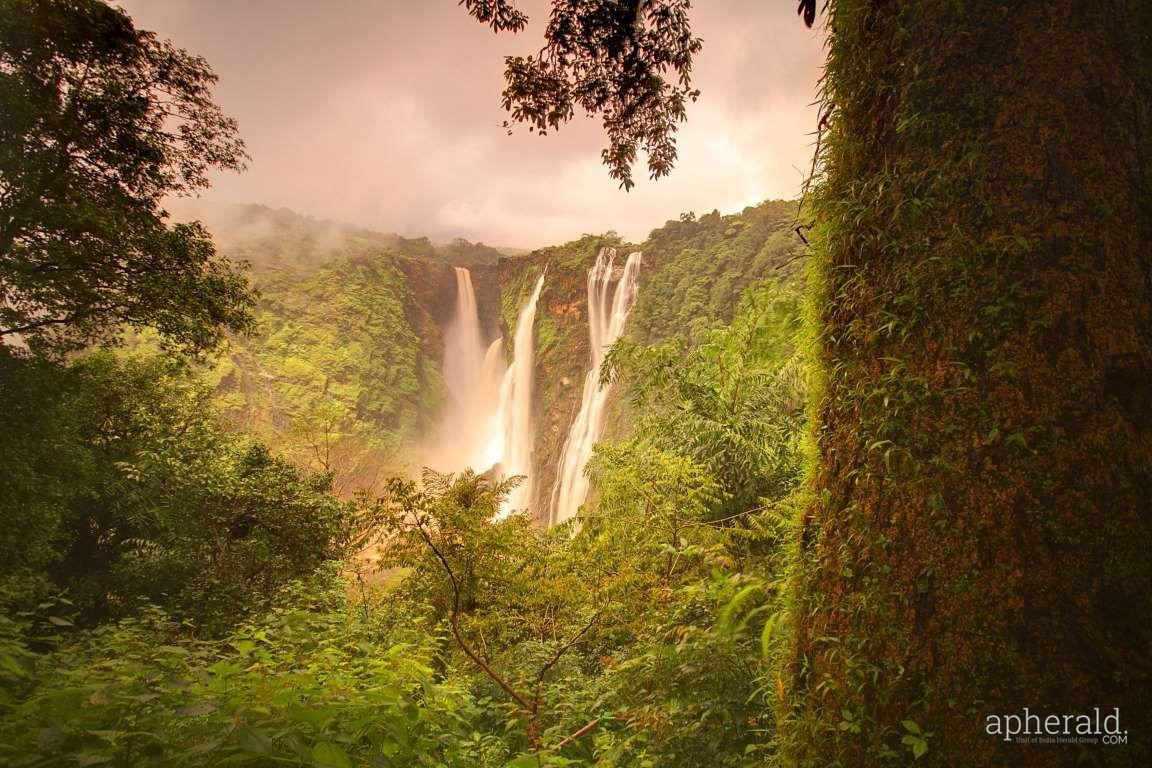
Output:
x=979 y=538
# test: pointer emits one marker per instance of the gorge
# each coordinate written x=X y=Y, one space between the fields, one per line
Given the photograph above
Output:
x=271 y=496
x=381 y=354
x=834 y=481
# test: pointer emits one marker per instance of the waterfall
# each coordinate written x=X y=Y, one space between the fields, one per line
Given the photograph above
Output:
x=515 y=411
x=605 y=324
x=489 y=421
x=472 y=373
x=462 y=340
x=492 y=372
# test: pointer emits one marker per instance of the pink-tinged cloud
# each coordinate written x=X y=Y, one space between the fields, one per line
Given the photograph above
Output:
x=385 y=114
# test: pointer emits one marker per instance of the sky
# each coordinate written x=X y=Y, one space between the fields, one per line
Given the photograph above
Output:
x=386 y=114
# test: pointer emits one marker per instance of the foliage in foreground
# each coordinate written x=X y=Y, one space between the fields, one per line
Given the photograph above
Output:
x=644 y=637
x=733 y=403
x=121 y=486
x=313 y=682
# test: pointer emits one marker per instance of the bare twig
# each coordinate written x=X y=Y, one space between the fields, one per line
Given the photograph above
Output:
x=569 y=739
x=797 y=256
x=801 y=234
x=558 y=654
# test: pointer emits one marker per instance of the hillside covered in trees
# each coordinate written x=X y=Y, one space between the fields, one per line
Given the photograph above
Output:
x=855 y=479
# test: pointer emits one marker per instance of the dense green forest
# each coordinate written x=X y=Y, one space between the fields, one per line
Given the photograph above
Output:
x=340 y=371
x=158 y=624
x=335 y=372
x=211 y=558
x=874 y=468
x=334 y=663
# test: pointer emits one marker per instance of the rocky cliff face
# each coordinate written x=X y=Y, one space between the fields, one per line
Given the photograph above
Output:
x=562 y=343
x=486 y=282
x=693 y=274
x=431 y=296
x=432 y=299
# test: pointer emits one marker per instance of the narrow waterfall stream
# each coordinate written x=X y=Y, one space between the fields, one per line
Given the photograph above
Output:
x=488 y=423
x=493 y=372
x=605 y=325
x=515 y=411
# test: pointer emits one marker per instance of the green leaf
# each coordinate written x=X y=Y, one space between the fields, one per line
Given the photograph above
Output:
x=317 y=716
x=727 y=620
x=910 y=726
x=329 y=755
x=254 y=740
x=244 y=647
x=199 y=709
x=202 y=747
x=767 y=634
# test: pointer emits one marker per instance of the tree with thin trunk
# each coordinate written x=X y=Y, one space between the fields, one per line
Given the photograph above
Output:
x=448 y=532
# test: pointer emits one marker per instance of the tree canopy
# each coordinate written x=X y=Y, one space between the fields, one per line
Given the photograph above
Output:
x=101 y=121
x=629 y=62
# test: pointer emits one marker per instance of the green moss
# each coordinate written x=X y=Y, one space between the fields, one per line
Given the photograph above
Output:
x=959 y=420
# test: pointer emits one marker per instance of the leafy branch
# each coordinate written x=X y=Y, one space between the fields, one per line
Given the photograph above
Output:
x=480 y=499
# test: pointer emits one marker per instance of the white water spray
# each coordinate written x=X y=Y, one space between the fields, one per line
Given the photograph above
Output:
x=493 y=372
x=515 y=412
x=605 y=325
x=472 y=375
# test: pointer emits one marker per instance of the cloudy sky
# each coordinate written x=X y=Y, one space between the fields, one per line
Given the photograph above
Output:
x=386 y=114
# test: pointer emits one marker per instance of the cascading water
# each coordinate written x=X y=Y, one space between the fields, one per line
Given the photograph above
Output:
x=493 y=372
x=515 y=412
x=472 y=374
x=489 y=422
x=605 y=324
